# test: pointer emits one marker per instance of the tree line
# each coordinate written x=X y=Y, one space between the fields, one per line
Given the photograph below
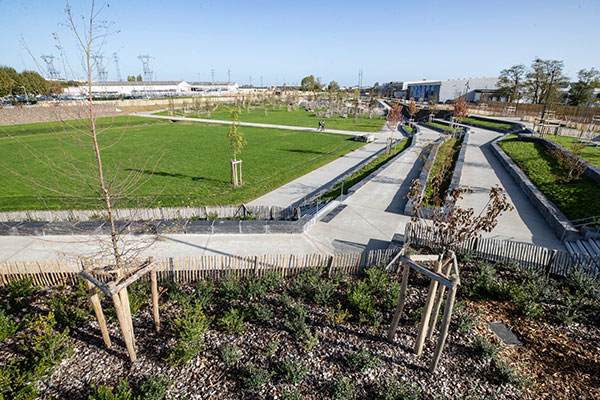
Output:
x=13 y=83
x=541 y=83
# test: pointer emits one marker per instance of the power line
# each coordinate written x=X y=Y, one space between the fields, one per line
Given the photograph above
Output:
x=52 y=72
x=102 y=74
x=116 y=59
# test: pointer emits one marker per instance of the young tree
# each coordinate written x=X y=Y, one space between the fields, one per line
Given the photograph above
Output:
x=571 y=161
x=433 y=107
x=460 y=109
x=412 y=110
x=581 y=92
x=511 y=83
x=393 y=119
x=131 y=78
x=139 y=78
x=333 y=87
x=308 y=83
x=236 y=139
x=356 y=102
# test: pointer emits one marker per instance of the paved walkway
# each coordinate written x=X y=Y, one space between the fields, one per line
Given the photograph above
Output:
x=294 y=193
x=253 y=124
x=481 y=171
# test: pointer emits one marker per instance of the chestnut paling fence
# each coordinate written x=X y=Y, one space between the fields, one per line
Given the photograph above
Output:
x=186 y=269
x=528 y=255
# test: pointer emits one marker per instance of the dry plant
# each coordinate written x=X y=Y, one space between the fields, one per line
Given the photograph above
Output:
x=452 y=224
x=412 y=110
x=571 y=161
x=236 y=139
x=84 y=179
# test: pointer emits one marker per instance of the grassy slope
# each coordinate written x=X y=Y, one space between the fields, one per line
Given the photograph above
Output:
x=294 y=118
x=589 y=153
x=365 y=171
x=449 y=149
x=192 y=168
x=441 y=126
x=577 y=199
x=491 y=124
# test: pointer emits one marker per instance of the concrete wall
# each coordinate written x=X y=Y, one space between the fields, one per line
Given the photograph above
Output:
x=561 y=225
x=53 y=112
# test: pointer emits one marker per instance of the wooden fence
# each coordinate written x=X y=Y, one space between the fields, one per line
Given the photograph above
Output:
x=188 y=269
x=551 y=261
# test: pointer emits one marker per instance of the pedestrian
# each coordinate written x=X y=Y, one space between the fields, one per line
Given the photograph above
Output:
x=323 y=126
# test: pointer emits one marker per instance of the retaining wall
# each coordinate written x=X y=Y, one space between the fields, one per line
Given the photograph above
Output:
x=561 y=225
x=53 y=112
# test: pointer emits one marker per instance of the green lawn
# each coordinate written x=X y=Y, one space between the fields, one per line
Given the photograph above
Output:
x=577 y=199
x=441 y=126
x=447 y=151
x=490 y=124
x=189 y=163
x=300 y=117
x=589 y=153
x=365 y=171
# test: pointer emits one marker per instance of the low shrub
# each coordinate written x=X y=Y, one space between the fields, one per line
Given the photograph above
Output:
x=484 y=349
x=578 y=281
x=337 y=315
x=359 y=298
x=503 y=373
x=232 y=321
x=154 y=388
x=271 y=348
x=262 y=313
x=462 y=319
x=8 y=325
x=254 y=378
x=305 y=284
x=323 y=293
x=18 y=296
x=291 y=393
x=295 y=321
x=272 y=281
x=138 y=295
x=293 y=370
x=121 y=392
x=310 y=340
x=255 y=288
x=43 y=344
x=284 y=300
x=230 y=354
x=390 y=297
x=230 y=288
x=570 y=311
x=190 y=327
x=69 y=310
x=394 y=389
x=377 y=280
x=486 y=285
x=361 y=360
x=343 y=388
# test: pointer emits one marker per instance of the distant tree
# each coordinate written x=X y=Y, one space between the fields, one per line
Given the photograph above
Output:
x=34 y=82
x=356 y=102
x=9 y=79
x=581 y=92
x=333 y=86
x=139 y=78
x=131 y=78
x=511 y=82
x=372 y=104
x=412 y=109
x=544 y=80
x=308 y=83
x=433 y=107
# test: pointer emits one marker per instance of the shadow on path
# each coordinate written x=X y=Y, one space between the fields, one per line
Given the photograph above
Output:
x=399 y=200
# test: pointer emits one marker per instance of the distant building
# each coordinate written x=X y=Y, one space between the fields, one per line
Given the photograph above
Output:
x=151 y=89
x=476 y=89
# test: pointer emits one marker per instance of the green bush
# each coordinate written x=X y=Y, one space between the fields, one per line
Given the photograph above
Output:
x=262 y=313
x=230 y=354
x=305 y=284
x=43 y=344
x=361 y=360
x=484 y=349
x=8 y=326
x=525 y=298
x=503 y=373
x=254 y=378
x=69 y=310
x=270 y=348
x=578 y=281
x=205 y=293
x=255 y=288
x=486 y=285
x=18 y=296
x=272 y=281
x=284 y=300
x=230 y=288
x=293 y=370
x=377 y=280
x=190 y=327
x=462 y=319
x=154 y=388
x=570 y=311
x=121 y=392
x=390 y=297
x=360 y=299
x=337 y=315
x=323 y=293
x=310 y=340
x=343 y=388
x=291 y=393
x=17 y=381
x=295 y=321
x=232 y=321
x=138 y=295
x=394 y=389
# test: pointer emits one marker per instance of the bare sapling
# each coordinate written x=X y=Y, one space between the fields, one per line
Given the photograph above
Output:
x=570 y=161
x=452 y=224
x=236 y=139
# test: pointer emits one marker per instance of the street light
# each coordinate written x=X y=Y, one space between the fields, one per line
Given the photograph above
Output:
x=26 y=96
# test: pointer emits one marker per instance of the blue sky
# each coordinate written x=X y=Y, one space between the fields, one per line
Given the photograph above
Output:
x=282 y=41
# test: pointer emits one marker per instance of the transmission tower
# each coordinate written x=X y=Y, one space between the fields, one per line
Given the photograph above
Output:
x=52 y=72
x=360 y=78
x=102 y=74
x=146 y=64
x=116 y=59
x=212 y=75
x=228 y=75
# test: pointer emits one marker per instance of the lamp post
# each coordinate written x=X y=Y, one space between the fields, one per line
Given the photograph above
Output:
x=26 y=96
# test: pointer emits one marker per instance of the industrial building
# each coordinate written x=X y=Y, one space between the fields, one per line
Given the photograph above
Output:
x=476 y=89
x=151 y=89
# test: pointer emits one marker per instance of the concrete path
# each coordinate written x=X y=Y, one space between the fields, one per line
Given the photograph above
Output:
x=375 y=212
x=253 y=124
x=294 y=193
x=481 y=171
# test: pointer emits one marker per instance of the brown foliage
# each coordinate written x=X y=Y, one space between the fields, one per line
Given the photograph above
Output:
x=460 y=108
x=394 y=117
x=452 y=224
x=412 y=108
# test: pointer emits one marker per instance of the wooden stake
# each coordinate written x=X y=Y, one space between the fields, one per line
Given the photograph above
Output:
x=438 y=299
x=127 y=311
x=330 y=267
x=427 y=312
x=445 y=325
x=155 y=299
x=400 y=305
x=95 y=300
x=125 y=327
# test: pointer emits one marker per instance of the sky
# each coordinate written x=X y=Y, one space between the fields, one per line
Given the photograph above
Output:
x=282 y=41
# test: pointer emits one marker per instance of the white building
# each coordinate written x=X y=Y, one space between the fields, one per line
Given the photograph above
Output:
x=151 y=89
x=443 y=90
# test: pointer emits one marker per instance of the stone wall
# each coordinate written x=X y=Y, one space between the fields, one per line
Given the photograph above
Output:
x=48 y=112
